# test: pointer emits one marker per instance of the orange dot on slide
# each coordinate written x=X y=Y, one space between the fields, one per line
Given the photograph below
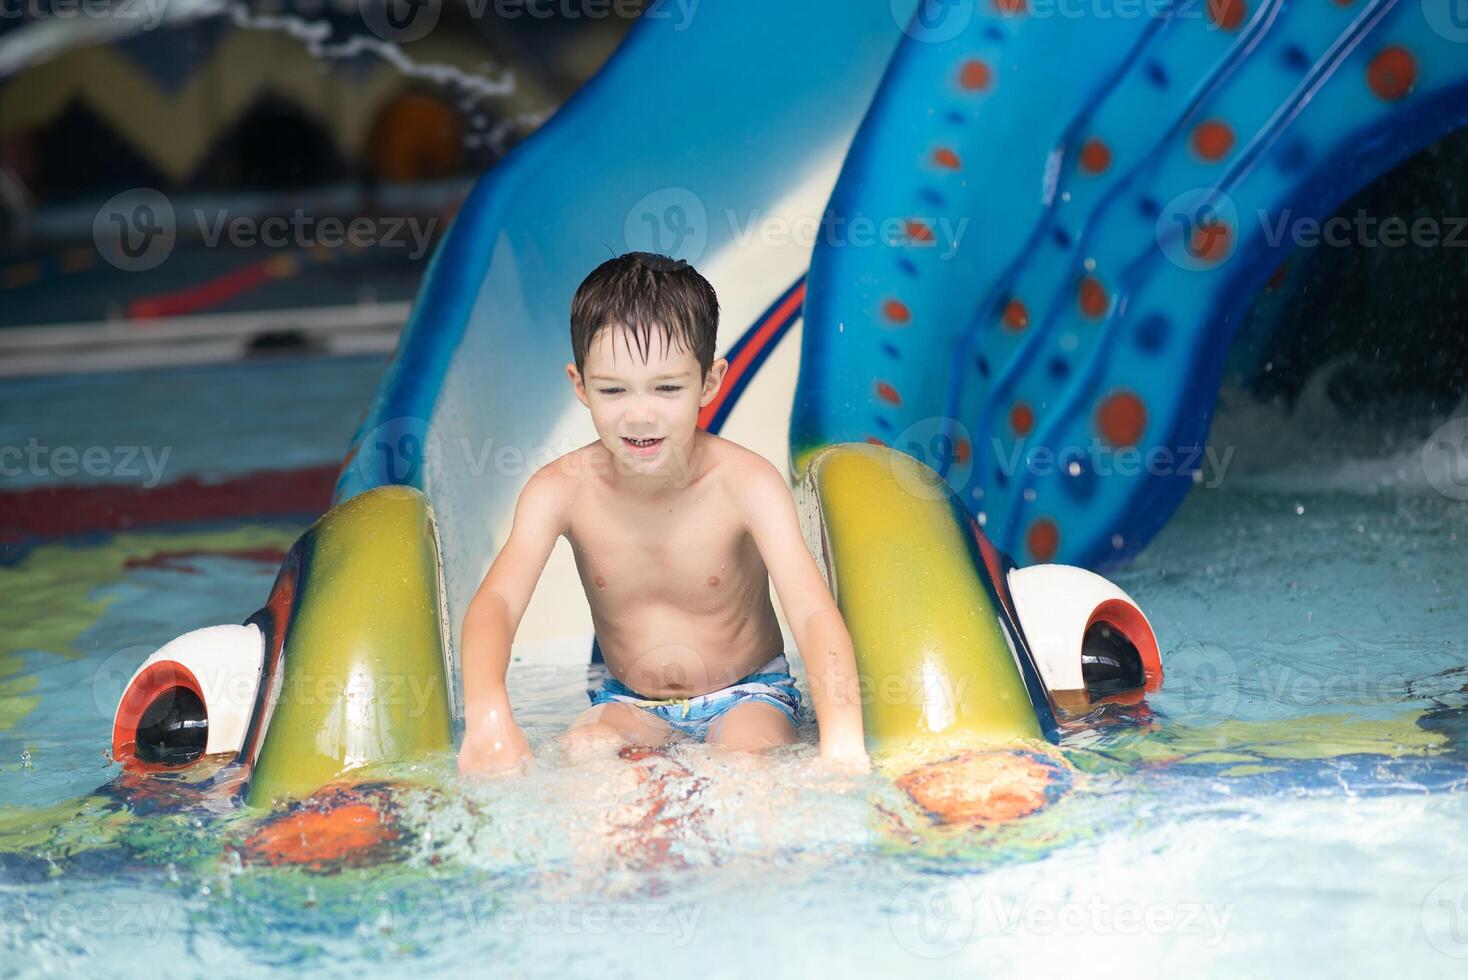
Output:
x=896 y=311
x=1227 y=14
x=918 y=232
x=962 y=451
x=1016 y=316
x=1121 y=419
x=975 y=75
x=1095 y=156
x=1212 y=139
x=946 y=159
x=1012 y=6
x=1043 y=539
x=1022 y=419
x=1093 y=298
x=1392 y=73
x=888 y=393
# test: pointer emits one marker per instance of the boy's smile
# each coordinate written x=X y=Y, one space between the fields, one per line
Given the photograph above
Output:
x=644 y=403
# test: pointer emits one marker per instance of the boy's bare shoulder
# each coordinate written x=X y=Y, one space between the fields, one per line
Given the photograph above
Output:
x=551 y=490
x=747 y=476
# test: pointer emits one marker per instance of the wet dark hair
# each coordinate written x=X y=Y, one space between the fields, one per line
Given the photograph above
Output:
x=645 y=292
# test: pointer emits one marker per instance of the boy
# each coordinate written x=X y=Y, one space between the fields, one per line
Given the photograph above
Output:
x=676 y=534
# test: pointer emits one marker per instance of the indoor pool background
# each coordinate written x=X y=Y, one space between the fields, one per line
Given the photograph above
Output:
x=1300 y=803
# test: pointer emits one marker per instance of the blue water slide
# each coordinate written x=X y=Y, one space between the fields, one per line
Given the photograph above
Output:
x=1082 y=209
x=693 y=126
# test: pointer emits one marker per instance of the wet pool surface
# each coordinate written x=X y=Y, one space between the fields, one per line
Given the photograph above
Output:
x=1297 y=800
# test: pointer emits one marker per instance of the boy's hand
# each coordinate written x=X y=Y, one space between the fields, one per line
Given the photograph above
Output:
x=503 y=750
x=847 y=753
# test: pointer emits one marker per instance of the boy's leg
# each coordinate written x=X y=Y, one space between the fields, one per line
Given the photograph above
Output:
x=603 y=729
x=751 y=726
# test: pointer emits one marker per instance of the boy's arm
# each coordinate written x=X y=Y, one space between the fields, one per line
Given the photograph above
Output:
x=820 y=633
x=492 y=740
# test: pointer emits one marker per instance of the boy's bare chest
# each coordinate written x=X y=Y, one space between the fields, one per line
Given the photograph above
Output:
x=692 y=551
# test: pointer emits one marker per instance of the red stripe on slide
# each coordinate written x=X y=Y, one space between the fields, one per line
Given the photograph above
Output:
x=762 y=335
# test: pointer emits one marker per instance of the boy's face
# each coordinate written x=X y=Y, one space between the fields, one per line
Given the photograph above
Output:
x=644 y=413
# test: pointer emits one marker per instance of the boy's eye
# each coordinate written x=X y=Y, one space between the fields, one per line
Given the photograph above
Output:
x=670 y=387
x=610 y=391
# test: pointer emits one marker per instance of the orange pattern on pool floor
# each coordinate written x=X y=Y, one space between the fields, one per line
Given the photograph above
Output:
x=979 y=787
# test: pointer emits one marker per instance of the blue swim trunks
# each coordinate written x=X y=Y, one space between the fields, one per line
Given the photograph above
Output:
x=771 y=684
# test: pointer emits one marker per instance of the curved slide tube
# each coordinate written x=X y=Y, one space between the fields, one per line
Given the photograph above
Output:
x=1090 y=203
x=343 y=668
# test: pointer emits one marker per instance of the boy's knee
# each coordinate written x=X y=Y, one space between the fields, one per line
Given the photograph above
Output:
x=752 y=727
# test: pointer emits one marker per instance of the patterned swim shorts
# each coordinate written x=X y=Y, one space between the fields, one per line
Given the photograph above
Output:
x=771 y=684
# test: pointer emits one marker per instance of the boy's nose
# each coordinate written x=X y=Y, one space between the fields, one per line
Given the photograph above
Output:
x=639 y=410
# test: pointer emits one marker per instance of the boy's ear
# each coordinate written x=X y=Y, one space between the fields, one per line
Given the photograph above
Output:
x=576 y=383
x=713 y=381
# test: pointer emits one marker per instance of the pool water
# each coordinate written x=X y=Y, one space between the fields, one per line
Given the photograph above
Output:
x=1297 y=802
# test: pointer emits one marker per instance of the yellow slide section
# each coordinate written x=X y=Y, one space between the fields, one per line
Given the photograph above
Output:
x=933 y=655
